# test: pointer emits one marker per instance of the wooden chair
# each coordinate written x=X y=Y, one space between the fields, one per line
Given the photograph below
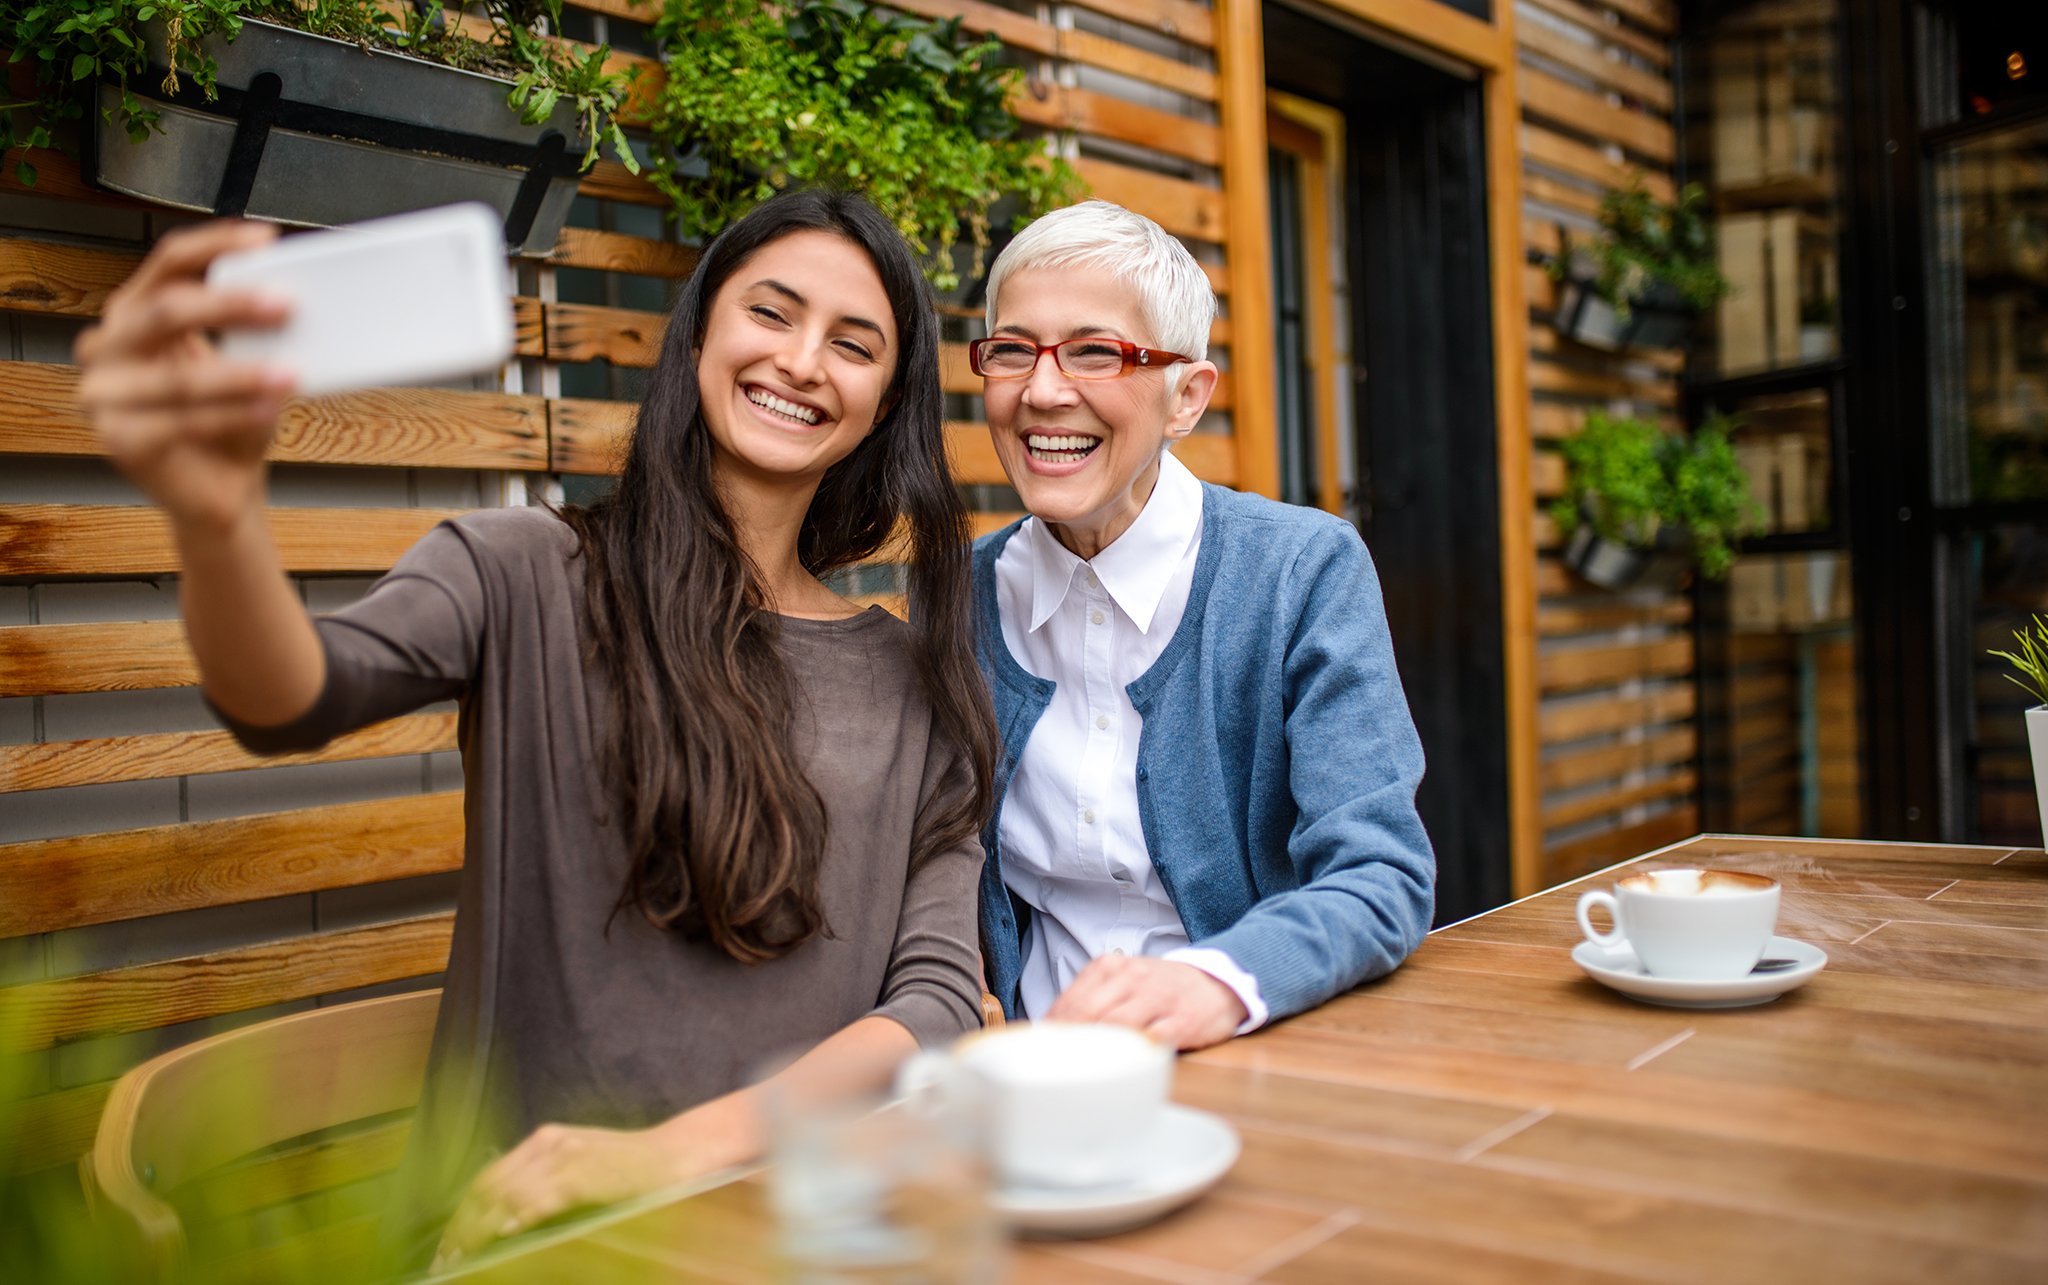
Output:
x=188 y=1157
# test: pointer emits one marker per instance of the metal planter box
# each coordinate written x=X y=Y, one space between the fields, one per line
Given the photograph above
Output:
x=314 y=132
x=1659 y=319
x=1619 y=567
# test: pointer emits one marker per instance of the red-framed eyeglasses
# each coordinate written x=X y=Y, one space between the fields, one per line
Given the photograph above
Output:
x=1008 y=357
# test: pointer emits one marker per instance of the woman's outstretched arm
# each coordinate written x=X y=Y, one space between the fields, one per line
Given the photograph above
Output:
x=190 y=429
x=562 y=1167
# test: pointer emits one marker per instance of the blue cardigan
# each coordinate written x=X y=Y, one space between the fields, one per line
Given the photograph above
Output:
x=1278 y=763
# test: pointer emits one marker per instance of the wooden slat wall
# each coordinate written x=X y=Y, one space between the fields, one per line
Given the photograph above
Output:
x=1614 y=672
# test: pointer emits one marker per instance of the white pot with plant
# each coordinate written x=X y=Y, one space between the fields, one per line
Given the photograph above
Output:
x=2031 y=660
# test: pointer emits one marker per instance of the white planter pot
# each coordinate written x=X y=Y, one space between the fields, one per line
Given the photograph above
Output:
x=2037 y=742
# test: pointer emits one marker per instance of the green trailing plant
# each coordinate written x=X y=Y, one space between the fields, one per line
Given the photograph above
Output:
x=2031 y=660
x=66 y=45
x=1628 y=479
x=844 y=94
x=1644 y=240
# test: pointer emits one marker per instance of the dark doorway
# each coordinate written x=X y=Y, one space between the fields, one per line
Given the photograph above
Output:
x=1427 y=496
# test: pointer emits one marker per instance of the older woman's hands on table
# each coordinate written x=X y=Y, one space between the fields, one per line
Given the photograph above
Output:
x=1174 y=1003
x=188 y=427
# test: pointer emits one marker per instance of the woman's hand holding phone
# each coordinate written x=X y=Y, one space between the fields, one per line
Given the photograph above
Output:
x=190 y=429
x=186 y=426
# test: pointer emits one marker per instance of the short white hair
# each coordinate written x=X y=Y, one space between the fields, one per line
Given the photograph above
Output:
x=1174 y=297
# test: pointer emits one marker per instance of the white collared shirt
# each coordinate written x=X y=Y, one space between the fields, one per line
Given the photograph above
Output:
x=1072 y=844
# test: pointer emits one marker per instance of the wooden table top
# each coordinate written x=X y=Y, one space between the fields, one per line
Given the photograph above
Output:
x=1487 y=1113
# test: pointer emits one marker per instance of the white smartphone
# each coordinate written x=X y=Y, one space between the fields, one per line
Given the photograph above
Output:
x=403 y=300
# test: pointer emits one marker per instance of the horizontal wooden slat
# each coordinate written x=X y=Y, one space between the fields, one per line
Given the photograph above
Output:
x=51 y=884
x=1575 y=158
x=1646 y=86
x=1649 y=48
x=1059 y=107
x=58 y=179
x=1560 y=195
x=148 y=996
x=1570 y=860
x=1660 y=16
x=48 y=660
x=1577 y=381
x=1587 y=766
x=1545 y=339
x=1138 y=64
x=56 y=764
x=1603 y=666
x=52 y=1129
x=1547 y=473
x=621 y=336
x=1548 y=96
x=1181 y=19
x=589 y=436
x=118 y=539
x=1575 y=811
x=67 y=280
x=1552 y=620
x=529 y=337
x=616 y=252
x=1576 y=720
x=392 y=427
x=611 y=181
x=1182 y=208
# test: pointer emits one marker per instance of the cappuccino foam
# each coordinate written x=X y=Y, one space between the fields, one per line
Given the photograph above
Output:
x=1696 y=883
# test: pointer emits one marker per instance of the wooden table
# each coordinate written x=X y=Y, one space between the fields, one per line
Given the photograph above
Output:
x=1489 y=1114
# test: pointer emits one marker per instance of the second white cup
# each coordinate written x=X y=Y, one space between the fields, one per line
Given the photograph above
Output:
x=1063 y=1104
x=1694 y=925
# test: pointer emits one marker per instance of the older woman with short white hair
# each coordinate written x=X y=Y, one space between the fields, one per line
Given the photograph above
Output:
x=1207 y=801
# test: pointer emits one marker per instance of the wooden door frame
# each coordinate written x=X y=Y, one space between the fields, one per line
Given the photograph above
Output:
x=1489 y=48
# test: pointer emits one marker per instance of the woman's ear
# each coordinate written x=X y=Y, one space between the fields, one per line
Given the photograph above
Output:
x=1190 y=399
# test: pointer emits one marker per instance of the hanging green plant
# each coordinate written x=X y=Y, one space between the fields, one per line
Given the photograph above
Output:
x=70 y=42
x=1629 y=479
x=840 y=93
x=1646 y=241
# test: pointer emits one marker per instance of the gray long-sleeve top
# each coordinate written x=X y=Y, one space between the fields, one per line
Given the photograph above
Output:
x=556 y=1009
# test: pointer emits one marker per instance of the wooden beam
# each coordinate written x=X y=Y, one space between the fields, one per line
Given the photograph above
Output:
x=1660 y=16
x=1439 y=27
x=392 y=427
x=1643 y=134
x=1648 y=48
x=1580 y=810
x=1060 y=107
x=621 y=336
x=1241 y=66
x=45 y=540
x=49 y=660
x=1181 y=19
x=1611 y=761
x=36 y=276
x=1555 y=621
x=1575 y=158
x=1138 y=64
x=1608 y=666
x=529 y=327
x=1577 y=720
x=148 y=996
x=1182 y=208
x=616 y=252
x=50 y=765
x=52 y=884
x=589 y=436
x=1646 y=87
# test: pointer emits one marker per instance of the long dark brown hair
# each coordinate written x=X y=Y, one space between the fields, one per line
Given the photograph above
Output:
x=726 y=834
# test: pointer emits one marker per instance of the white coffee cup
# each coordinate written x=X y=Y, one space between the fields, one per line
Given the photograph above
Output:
x=1696 y=925
x=1063 y=1104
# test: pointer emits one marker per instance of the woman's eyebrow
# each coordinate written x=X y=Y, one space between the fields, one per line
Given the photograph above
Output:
x=1078 y=332
x=801 y=302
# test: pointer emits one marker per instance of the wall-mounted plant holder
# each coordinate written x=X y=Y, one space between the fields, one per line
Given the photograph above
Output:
x=315 y=132
x=1612 y=565
x=1659 y=318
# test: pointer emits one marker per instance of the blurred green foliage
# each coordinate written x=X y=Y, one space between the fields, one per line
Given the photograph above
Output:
x=1628 y=477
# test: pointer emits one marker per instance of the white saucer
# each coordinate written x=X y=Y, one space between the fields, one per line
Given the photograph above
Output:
x=1187 y=1152
x=1621 y=970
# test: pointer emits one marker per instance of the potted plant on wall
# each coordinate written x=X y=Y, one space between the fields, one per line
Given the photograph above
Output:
x=1644 y=281
x=2031 y=660
x=1641 y=506
x=910 y=112
x=317 y=112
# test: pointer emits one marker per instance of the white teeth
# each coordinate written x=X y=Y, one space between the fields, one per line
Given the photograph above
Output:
x=763 y=398
x=1041 y=442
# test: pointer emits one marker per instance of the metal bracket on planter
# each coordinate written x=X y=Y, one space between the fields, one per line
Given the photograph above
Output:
x=252 y=130
x=533 y=188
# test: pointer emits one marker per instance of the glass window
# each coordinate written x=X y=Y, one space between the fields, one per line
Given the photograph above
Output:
x=1784 y=441
x=1763 y=114
x=2009 y=584
x=1990 y=340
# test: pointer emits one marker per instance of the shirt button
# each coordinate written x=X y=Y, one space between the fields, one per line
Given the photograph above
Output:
x=1093 y=583
x=1089 y=816
x=1102 y=722
x=1095 y=618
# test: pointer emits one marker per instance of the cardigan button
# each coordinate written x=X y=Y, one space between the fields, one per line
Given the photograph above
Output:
x=1141 y=774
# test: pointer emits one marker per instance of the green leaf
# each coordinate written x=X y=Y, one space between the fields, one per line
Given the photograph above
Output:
x=25 y=173
x=82 y=66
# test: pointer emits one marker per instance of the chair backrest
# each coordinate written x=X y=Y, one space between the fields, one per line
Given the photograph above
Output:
x=192 y=1137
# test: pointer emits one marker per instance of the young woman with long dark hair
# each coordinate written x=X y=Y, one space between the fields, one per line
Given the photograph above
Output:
x=714 y=811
